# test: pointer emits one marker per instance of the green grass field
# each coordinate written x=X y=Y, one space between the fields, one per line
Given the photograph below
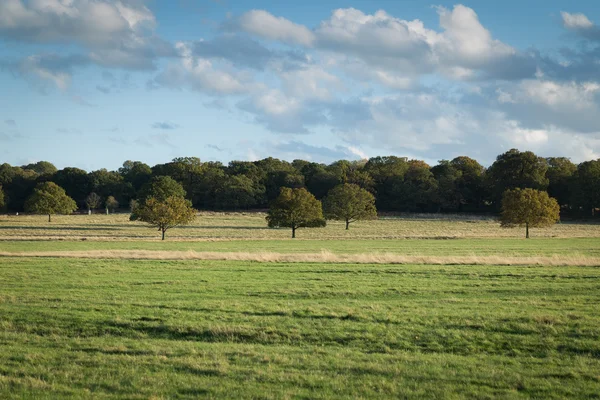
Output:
x=100 y=328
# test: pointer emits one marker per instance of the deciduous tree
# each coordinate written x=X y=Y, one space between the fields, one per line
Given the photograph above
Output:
x=76 y=183
x=295 y=208
x=49 y=198
x=586 y=186
x=516 y=169
x=165 y=214
x=111 y=204
x=349 y=203
x=161 y=188
x=529 y=208
x=92 y=201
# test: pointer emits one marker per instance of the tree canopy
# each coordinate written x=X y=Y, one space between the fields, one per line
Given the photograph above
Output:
x=295 y=208
x=49 y=198
x=2 y=201
x=529 y=208
x=516 y=169
x=161 y=188
x=397 y=183
x=165 y=214
x=93 y=201
x=349 y=203
x=586 y=186
x=111 y=204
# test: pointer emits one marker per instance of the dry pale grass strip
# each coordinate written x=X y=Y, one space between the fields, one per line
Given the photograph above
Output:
x=322 y=257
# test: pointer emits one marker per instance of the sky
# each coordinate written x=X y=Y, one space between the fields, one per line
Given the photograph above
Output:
x=92 y=83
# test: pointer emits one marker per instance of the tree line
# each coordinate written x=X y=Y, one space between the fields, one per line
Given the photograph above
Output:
x=396 y=183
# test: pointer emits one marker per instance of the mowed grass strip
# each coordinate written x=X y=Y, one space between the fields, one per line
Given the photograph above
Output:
x=542 y=247
x=183 y=329
x=324 y=257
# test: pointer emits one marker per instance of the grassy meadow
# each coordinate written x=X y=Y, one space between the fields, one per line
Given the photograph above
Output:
x=100 y=327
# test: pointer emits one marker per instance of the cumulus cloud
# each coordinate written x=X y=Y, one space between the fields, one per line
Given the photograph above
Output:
x=202 y=75
x=284 y=114
x=264 y=24
x=86 y=21
x=47 y=69
x=576 y=21
x=114 y=33
x=244 y=52
x=566 y=105
x=396 y=52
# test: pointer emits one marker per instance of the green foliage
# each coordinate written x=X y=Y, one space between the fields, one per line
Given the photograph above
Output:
x=460 y=184
x=237 y=192
x=529 y=208
x=111 y=203
x=93 y=201
x=111 y=183
x=166 y=213
x=295 y=208
x=42 y=168
x=76 y=182
x=398 y=184
x=349 y=203
x=2 y=201
x=161 y=188
x=515 y=169
x=18 y=184
x=135 y=173
x=49 y=198
x=586 y=186
x=560 y=173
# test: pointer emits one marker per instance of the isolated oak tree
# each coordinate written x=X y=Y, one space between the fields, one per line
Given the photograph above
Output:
x=165 y=214
x=349 y=203
x=529 y=208
x=160 y=188
x=295 y=208
x=111 y=204
x=49 y=198
x=92 y=201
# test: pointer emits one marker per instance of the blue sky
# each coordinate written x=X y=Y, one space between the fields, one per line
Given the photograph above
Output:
x=92 y=83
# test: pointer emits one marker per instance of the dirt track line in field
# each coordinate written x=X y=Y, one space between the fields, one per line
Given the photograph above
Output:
x=322 y=257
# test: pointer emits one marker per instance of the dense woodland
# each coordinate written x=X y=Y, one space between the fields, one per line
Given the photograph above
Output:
x=398 y=184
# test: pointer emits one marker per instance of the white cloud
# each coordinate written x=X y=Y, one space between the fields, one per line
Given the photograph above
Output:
x=397 y=52
x=116 y=33
x=576 y=21
x=282 y=113
x=572 y=106
x=465 y=43
x=268 y=26
x=202 y=75
x=310 y=83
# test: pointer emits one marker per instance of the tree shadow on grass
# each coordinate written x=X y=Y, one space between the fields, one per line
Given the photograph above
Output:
x=256 y=228
x=57 y=228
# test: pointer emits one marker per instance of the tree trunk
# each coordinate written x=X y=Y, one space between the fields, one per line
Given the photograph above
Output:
x=347 y=224
x=163 y=234
x=293 y=233
x=527 y=230
x=49 y=218
x=106 y=210
x=89 y=211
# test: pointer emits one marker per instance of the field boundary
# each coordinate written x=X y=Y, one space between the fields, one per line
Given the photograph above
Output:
x=322 y=257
